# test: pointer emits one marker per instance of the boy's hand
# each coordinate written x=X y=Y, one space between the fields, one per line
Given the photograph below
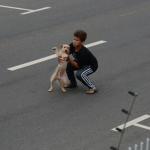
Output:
x=68 y=58
x=60 y=61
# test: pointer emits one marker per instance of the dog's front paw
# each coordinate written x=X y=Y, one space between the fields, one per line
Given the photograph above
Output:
x=54 y=48
x=64 y=90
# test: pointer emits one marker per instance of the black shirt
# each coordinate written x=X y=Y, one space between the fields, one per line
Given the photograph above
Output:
x=84 y=57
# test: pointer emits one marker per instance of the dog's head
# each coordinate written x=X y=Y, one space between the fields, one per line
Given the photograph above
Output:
x=65 y=48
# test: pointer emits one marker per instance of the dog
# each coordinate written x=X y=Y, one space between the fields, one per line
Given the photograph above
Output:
x=60 y=72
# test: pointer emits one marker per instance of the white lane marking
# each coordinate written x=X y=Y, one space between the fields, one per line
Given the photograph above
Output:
x=95 y=43
x=133 y=122
x=28 y=10
x=15 y=8
x=32 y=63
x=48 y=57
x=32 y=11
x=142 y=126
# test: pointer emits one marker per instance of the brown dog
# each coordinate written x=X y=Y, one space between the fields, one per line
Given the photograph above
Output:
x=60 y=72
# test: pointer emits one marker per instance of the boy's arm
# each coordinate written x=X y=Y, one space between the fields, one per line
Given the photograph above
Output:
x=74 y=63
x=60 y=59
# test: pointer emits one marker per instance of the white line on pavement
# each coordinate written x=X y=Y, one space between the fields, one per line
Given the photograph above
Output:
x=31 y=63
x=32 y=11
x=95 y=43
x=142 y=126
x=15 y=8
x=28 y=10
x=133 y=122
x=48 y=57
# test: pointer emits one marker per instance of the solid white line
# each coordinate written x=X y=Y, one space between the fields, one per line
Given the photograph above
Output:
x=32 y=11
x=142 y=126
x=32 y=62
x=95 y=43
x=48 y=58
x=28 y=10
x=15 y=8
x=133 y=122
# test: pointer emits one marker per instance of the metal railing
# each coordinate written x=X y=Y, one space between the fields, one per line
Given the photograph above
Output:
x=128 y=114
x=141 y=146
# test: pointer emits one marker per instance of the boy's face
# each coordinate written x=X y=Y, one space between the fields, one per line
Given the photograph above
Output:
x=77 y=42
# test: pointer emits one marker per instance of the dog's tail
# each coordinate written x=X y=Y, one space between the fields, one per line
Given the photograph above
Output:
x=56 y=50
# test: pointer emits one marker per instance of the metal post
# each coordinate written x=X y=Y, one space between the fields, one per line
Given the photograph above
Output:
x=147 y=144
x=141 y=146
x=129 y=148
x=128 y=113
x=135 y=147
x=135 y=95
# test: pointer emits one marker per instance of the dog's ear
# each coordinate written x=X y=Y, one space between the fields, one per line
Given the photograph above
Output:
x=61 y=46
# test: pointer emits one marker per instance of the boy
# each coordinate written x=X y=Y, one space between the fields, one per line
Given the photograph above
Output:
x=85 y=63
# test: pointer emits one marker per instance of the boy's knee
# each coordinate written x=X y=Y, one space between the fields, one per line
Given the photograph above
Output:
x=78 y=75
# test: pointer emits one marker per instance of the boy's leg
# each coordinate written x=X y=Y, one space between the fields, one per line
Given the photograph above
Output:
x=82 y=75
x=70 y=73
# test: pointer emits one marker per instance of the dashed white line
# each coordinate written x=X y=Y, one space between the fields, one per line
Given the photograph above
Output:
x=48 y=58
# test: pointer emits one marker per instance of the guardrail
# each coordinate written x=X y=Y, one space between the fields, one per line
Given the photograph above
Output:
x=141 y=146
x=128 y=114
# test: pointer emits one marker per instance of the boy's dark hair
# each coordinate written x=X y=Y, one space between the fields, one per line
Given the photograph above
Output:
x=80 y=34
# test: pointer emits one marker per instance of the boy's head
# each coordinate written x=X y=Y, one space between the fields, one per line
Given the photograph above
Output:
x=81 y=35
x=79 y=38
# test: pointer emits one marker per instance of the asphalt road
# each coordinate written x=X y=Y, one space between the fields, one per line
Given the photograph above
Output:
x=31 y=118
